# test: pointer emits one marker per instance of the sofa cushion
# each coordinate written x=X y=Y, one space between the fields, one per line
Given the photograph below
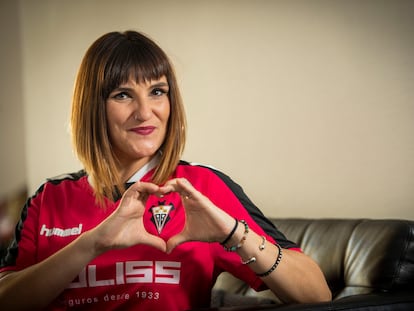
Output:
x=357 y=256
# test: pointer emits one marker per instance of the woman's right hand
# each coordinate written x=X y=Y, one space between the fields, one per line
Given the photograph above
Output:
x=125 y=226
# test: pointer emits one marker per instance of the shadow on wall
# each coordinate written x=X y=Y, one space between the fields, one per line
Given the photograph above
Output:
x=10 y=208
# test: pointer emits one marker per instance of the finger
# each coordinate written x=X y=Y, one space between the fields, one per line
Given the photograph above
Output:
x=170 y=186
x=141 y=190
x=180 y=185
x=156 y=242
x=144 y=187
x=186 y=186
x=174 y=242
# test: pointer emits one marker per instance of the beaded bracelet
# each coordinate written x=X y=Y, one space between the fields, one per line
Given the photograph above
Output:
x=231 y=232
x=240 y=244
x=278 y=259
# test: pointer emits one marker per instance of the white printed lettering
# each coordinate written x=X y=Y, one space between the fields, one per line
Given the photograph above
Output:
x=60 y=232
x=82 y=301
x=82 y=280
x=135 y=274
x=160 y=272
x=44 y=230
x=120 y=279
x=92 y=278
x=167 y=272
x=118 y=297
x=148 y=295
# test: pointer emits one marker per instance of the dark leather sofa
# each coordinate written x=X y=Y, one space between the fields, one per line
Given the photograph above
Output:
x=368 y=263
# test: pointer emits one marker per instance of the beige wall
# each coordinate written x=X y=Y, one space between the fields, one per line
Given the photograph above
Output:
x=309 y=105
x=12 y=142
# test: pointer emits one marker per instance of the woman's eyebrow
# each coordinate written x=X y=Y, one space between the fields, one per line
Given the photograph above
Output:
x=122 y=88
x=128 y=87
x=160 y=84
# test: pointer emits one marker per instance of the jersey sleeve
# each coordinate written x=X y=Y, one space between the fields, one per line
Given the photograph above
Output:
x=226 y=189
x=230 y=197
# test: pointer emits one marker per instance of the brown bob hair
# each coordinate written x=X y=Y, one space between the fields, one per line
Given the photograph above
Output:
x=110 y=61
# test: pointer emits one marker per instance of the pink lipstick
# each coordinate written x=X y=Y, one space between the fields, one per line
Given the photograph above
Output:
x=144 y=130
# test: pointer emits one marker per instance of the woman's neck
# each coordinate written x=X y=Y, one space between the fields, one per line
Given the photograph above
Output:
x=137 y=170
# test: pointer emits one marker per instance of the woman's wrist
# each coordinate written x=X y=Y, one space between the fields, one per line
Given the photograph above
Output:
x=230 y=235
x=237 y=237
x=254 y=250
x=90 y=244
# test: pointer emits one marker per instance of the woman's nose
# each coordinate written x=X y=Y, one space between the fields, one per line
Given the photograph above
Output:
x=142 y=110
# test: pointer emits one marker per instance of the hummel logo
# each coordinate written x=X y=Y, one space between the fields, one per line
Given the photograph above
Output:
x=60 y=232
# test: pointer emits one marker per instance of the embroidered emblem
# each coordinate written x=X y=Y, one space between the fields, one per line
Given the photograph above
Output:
x=160 y=215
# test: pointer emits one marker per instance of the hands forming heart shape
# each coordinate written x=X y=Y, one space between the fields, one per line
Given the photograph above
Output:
x=125 y=227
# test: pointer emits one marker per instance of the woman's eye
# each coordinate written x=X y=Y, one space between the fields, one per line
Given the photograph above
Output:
x=121 y=95
x=158 y=92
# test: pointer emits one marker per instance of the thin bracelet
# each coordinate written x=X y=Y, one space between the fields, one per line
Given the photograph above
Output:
x=262 y=246
x=249 y=261
x=278 y=259
x=240 y=244
x=231 y=232
x=253 y=259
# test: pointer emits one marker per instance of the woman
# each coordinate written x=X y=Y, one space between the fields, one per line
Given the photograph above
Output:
x=138 y=228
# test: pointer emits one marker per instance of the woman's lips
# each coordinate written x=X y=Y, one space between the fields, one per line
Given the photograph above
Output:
x=144 y=130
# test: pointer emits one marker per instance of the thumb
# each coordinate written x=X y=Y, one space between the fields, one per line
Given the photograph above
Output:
x=174 y=241
x=156 y=242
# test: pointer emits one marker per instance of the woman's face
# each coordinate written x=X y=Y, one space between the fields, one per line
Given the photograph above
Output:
x=137 y=117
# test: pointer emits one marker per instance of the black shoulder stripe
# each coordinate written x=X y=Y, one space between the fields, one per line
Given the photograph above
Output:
x=71 y=176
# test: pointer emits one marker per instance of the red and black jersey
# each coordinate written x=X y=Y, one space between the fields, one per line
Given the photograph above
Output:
x=138 y=277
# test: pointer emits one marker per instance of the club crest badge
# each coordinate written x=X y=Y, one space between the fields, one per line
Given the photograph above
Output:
x=160 y=215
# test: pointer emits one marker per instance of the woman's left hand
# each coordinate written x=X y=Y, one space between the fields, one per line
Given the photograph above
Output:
x=204 y=220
